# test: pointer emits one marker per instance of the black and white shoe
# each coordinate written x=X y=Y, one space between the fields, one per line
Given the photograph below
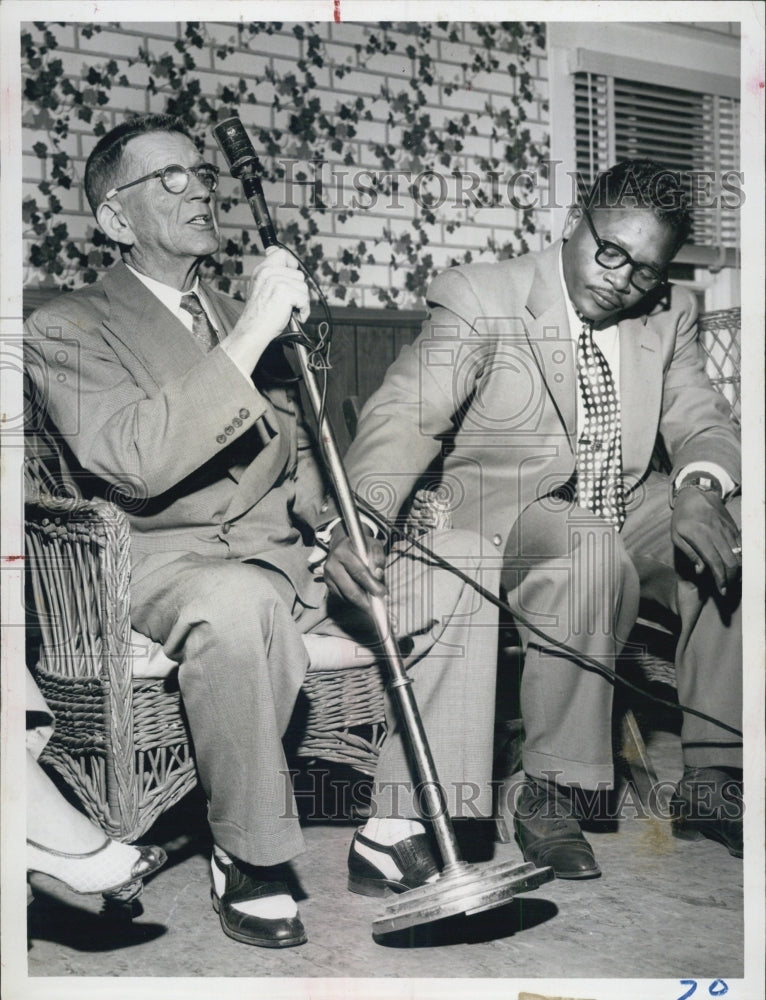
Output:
x=243 y=884
x=381 y=870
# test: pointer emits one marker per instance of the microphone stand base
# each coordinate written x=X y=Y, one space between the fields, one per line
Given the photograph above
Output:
x=464 y=888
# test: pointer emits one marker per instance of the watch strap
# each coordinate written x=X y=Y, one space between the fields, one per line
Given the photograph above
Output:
x=704 y=481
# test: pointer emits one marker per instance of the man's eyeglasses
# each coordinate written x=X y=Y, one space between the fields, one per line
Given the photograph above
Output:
x=175 y=178
x=643 y=277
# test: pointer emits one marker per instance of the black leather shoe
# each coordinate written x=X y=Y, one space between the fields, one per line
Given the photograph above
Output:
x=412 y=856
x=242 y=886
x=708 y=803
x=548 y=832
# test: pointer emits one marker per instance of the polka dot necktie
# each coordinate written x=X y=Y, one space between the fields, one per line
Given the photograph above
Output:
x=599 y=450
x=202 y=328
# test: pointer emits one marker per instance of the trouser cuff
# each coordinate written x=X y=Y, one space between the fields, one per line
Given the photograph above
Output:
x=560 y=771
x=262 y=851
x=712 y=755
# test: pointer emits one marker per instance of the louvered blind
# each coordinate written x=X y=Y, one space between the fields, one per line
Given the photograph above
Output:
x=618 y=119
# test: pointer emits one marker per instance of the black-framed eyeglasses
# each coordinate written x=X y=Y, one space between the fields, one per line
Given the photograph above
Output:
x=643 y=277
x=175 y=178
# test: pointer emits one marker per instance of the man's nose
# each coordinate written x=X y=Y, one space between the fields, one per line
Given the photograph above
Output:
x=196 y=189
x=619 y=278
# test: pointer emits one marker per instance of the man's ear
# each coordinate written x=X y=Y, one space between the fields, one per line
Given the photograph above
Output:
x=114 y=223
x=573 y=217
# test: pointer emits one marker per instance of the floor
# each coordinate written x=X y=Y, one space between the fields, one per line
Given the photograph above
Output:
x=663 y=909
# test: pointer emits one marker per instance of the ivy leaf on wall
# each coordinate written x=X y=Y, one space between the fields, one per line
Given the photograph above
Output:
x=308 y=124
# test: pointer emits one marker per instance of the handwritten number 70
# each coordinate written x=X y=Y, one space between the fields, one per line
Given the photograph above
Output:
x=717 y=988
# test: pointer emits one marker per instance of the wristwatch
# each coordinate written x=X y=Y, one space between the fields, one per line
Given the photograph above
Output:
x=700 y=480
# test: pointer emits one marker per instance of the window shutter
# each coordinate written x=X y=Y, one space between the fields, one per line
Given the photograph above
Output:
x=617 y=119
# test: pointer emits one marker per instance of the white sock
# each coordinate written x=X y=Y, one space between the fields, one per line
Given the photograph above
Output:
x=390 y=831
x=387 y=832
x=270 y=908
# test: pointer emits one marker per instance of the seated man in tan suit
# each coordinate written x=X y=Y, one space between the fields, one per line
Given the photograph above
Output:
x=175 y=399
x=536 y=391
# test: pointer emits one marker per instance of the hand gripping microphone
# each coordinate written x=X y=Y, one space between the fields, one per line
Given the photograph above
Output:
x=244 y=165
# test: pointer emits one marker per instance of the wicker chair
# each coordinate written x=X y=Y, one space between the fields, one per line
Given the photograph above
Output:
x=120 y=740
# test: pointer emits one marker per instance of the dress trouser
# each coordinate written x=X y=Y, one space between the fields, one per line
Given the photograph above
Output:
x=573 y=576
x=236 y=630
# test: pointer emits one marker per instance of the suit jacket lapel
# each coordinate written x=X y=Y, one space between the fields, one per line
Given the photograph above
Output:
x=551 y=339
x=640 y=393
x=149 y=330
x=224 y=312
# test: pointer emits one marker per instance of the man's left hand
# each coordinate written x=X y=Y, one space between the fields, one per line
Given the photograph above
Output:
x=703 y=529
x=351 y=578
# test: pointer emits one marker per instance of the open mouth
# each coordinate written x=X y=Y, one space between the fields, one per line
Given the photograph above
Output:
x=202 y=221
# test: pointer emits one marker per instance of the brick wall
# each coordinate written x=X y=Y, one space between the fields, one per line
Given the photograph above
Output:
x=367 y=76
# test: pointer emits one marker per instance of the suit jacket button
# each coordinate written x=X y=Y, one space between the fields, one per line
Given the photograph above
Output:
x=225 y=528
x=237 y=422
x=244 y=413
x=229 y=430
x=497 y=539
x=221 y=439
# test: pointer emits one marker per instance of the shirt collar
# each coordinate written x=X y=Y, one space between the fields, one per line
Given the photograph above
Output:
x=170 y=297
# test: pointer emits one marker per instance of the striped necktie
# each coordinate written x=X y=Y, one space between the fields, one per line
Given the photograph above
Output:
x=202 y=328
x=599 y=449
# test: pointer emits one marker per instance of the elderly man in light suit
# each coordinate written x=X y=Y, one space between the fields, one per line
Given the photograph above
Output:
x=176 y=402
x=494 y=399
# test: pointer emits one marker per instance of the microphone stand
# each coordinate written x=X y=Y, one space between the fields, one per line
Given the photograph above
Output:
x=460 y=887
x=401 y=684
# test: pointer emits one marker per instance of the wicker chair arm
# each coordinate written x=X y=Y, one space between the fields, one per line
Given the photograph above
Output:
x=720 y=334
x=78 y=558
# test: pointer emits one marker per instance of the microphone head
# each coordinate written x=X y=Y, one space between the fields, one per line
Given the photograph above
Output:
x=235 y=145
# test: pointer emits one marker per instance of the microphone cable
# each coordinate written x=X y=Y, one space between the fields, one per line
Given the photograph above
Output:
x=583 y=660
x=319 y=352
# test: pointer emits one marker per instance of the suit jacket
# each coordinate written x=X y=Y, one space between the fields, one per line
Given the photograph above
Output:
x=486 y=397
x=202 y=459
